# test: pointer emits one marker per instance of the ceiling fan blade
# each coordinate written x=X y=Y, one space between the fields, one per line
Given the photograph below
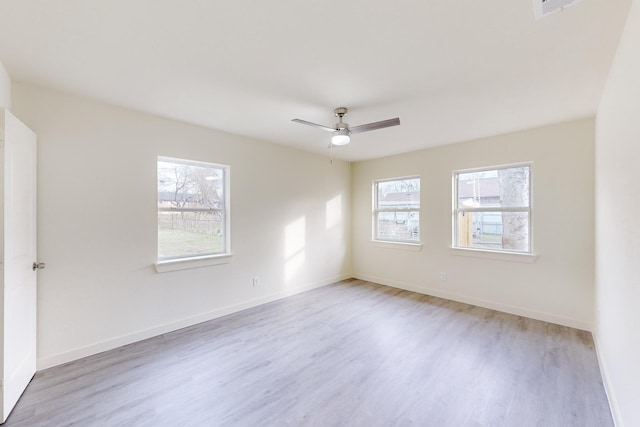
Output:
x=375 y=125
x=304 y=122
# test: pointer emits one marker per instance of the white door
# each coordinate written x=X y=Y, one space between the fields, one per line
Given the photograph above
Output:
x=18 y=231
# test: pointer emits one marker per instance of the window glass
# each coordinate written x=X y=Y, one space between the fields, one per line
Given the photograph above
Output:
x=495 y=187
x=493 y=209
x=397 y=210
x=192 y=209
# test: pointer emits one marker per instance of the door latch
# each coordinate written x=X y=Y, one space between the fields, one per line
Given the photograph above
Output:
x=38 y=265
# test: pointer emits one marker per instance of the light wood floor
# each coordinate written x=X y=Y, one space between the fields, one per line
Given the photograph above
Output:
x=350 y=354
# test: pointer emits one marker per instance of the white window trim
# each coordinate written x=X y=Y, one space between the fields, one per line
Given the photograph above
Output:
x=392 y=243
x=524 y=256
x=194 y=262
x=183 y=263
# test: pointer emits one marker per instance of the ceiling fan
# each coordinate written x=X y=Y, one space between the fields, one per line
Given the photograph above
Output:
x=341 y=132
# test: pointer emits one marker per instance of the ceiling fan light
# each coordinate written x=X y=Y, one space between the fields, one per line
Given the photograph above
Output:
x=340 y=137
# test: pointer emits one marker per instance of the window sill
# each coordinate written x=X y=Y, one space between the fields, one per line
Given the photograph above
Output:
x=195 y=262
x=406 y=246
x=501 y=256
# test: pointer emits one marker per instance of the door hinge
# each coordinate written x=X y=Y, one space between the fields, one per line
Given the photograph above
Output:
x=38 y=265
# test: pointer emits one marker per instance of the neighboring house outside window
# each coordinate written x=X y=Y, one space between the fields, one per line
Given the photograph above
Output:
x=492 y=209
x=396 y=210
x=193 y=209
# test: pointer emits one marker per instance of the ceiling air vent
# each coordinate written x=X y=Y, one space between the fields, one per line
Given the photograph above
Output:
x=545 y=7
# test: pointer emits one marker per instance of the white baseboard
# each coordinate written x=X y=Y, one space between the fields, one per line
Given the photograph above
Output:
x=606 y=381
x=99 y=347
x=518 y=311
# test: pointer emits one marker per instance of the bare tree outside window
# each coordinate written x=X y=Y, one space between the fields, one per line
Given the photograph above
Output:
x=192 y=209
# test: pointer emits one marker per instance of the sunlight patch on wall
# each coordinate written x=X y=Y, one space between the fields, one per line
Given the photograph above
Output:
x=294 y=248
x=334 y=212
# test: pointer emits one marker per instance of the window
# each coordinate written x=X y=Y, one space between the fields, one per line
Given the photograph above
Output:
x=193 y=209
x=492 y=209
x=396 y=210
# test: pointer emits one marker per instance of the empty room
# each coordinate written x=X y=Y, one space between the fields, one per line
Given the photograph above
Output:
x=320 y=213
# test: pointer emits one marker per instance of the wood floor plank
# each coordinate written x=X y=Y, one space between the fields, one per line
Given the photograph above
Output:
x=350 y=354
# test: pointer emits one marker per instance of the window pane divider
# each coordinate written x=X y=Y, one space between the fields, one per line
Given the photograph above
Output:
x=398 y=210
x=190 y=209
x=466 y=209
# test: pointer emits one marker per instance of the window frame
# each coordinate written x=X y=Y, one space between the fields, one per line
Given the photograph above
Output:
x=456 y=210
x=181 y=262
x=376 y=210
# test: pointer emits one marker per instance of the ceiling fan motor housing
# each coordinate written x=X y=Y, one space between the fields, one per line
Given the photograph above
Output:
x=340 y=112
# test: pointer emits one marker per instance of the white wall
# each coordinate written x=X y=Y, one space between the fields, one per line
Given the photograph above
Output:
x=290 y=213
x=558 y=287
x=5 y=88
x=618 y=227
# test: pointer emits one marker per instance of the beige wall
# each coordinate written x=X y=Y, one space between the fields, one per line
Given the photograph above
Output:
x=290 y=213
x=5 y=88
x=558 y=287
x=618 y=227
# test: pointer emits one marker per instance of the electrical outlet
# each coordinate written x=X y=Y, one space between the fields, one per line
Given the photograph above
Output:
x=256 y=281
x=443 y=276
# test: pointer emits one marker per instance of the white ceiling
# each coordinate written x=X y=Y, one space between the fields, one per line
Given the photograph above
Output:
x=451 y=70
